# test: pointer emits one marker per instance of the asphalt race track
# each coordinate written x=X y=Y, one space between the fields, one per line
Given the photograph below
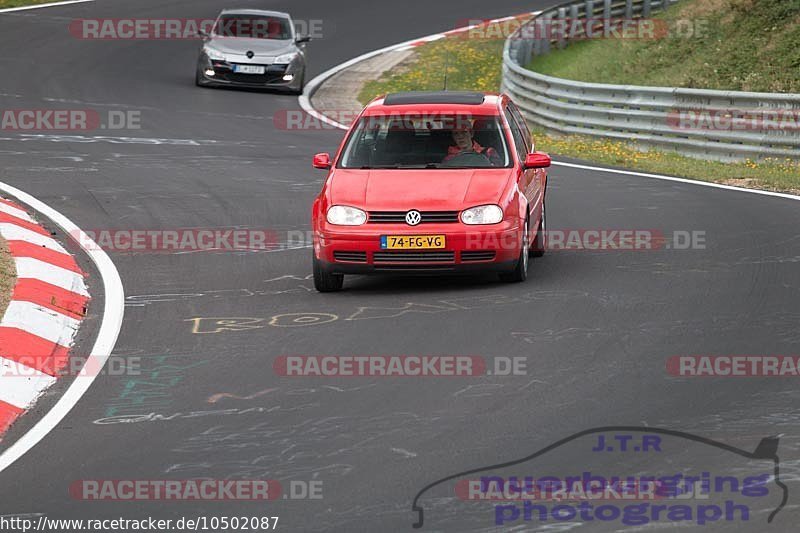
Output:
x=596 y=327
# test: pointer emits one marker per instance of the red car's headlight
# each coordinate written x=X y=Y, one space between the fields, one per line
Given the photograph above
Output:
x=343 y=215
x=482 y=214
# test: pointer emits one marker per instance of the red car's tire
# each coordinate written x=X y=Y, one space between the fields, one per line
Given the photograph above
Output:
x=539 y=245
x=520 y=272
x=325 y=281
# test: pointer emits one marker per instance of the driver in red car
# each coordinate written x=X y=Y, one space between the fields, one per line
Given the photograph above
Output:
x=464 y=143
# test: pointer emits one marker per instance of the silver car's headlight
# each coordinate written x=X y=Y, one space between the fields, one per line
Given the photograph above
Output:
x=285 y=58
x=483 y=214
x=343 y=215
x=214 y=54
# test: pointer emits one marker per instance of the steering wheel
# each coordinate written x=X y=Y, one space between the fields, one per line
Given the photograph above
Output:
x=468 y=158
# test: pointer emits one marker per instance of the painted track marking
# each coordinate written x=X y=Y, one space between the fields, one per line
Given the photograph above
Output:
x=113 y=311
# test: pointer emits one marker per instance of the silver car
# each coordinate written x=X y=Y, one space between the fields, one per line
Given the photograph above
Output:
x=253 y=48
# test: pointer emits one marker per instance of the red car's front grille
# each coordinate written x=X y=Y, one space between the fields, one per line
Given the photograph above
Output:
x=478 y=255
x=413 y=257
x=399 y=217
x=350 y=257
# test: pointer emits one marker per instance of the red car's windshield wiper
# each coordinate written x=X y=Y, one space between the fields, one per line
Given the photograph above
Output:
x=429 y=165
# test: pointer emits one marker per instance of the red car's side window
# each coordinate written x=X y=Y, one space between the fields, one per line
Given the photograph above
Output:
x=520 y=141
x=523 y=125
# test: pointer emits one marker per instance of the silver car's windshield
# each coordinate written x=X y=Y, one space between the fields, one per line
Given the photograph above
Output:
x=433 y=141
x=253 y=27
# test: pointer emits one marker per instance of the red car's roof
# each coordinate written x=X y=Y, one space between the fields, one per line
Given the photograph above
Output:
x=489 y=106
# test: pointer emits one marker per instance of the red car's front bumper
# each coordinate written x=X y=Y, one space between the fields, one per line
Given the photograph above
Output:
x=357 y=250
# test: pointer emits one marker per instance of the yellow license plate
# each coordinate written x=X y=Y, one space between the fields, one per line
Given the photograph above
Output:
x=412 y=242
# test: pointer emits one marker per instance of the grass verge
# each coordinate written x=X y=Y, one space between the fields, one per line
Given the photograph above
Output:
x=8 y=276
x=20 y=3
x=470 y=63
x=475 y=64
x=737 y=45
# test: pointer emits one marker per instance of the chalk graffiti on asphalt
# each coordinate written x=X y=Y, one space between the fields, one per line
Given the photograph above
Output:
x=155 y=417
x=152 y=388
x=205 y=325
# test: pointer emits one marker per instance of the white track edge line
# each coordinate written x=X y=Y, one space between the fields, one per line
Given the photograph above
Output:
x=679 y=180
x=313 y=85
x=113 y=311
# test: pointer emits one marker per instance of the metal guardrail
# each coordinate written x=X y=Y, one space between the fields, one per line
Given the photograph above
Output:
x=722 y=125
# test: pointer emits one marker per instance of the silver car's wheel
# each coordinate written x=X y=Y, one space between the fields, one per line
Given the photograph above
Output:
x=299 y=89
x=199 y=79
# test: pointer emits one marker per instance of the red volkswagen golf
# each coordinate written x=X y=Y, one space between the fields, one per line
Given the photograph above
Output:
x=431 y=182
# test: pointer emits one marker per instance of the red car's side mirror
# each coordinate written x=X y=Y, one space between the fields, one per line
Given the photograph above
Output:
x=322 y=161
x=537 y=160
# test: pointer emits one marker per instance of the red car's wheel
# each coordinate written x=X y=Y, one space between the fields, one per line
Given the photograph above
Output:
x=325 y=281
x=520 y=272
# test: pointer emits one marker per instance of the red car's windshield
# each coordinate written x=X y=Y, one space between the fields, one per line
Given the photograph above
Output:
x=435 y=141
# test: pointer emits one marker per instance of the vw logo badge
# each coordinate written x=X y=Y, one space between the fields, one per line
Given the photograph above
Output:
x=413 y=218
x=250 y=54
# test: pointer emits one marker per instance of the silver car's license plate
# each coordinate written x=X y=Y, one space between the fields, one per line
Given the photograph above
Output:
x=249 y=69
